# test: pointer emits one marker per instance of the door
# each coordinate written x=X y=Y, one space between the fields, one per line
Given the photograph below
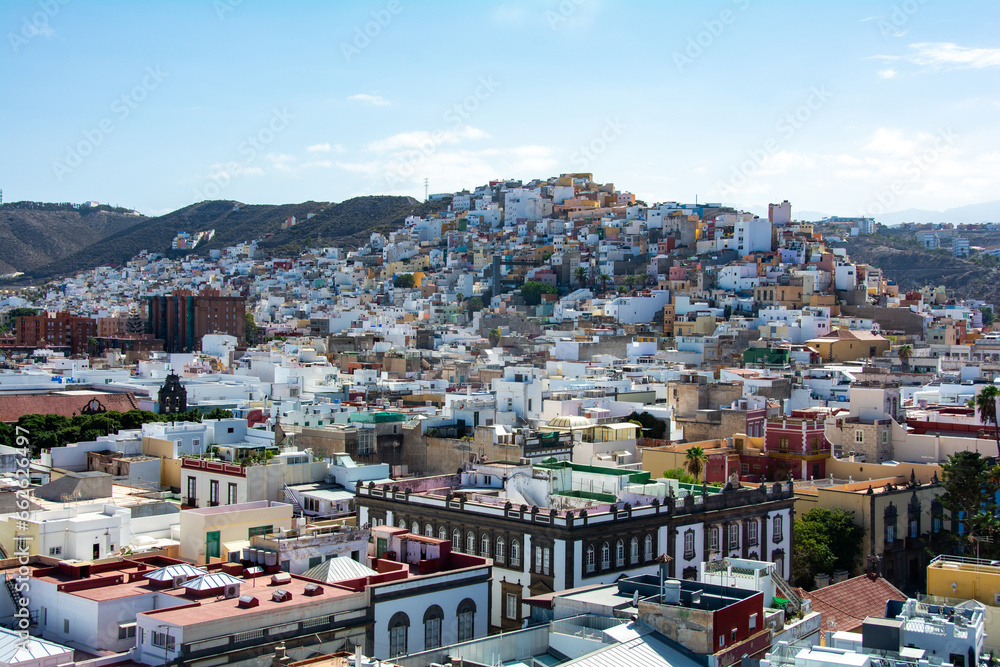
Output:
x=97 y=551
x=211 y=545
x=380 y=547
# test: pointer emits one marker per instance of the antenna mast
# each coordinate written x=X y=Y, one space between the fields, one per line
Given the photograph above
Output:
x=427 y=195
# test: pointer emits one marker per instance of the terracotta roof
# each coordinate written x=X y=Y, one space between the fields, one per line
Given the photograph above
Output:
x=845 y=605
x=13 y=408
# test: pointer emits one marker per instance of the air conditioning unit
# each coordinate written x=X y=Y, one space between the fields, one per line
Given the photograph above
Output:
x=179 y=580
x=232 y=591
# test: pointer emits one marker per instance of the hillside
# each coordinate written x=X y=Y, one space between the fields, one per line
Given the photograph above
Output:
x=347 y=223
x=34 y=235
x=910 y=266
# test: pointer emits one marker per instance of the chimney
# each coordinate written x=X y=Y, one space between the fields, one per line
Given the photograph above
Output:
x=822 y=581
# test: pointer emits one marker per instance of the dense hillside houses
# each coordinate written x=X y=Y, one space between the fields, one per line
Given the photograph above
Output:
x=543 y=408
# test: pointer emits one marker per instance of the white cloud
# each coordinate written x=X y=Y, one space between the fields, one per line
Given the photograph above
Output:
x=947 y=56
x=424 y=140
x=319 y=148
x=375 y=100
x=887 y=73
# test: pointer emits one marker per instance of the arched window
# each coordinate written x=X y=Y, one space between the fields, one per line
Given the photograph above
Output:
x=399 y=624
x=456 y=540
x=484 y=546
x=432 y=627
x=515 y=553
x=442 y=533
x=634 y=550
x=498 y=550
x=428 y=530
x=605 y=555
x=647 y=547
x=415 y=528
x=590 y=558
x=620 y=553
x=470 y=543
x=466 y=620
x=402 y=523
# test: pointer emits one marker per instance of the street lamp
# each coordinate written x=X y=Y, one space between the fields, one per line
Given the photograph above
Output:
x=166 y=638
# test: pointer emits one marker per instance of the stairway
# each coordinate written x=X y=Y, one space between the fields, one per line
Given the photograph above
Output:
x=10 y=584
x=293 y=501
x=787 y=592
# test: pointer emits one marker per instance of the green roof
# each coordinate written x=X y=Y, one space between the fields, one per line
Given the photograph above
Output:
x=634 y=477
x=381 y=417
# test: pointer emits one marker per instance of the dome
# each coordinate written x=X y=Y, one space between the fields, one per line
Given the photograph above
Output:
x=570 y=421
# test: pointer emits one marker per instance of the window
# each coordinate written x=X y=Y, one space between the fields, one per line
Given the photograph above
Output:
x=545 y=560
x=713 y=538
x=776 y=528
x=515 y=553
x=783 y=444
x=442 y=533
x=498 y=550
x=890 y=532
x=605 y=555
x=470 y=543
x=466 y=620
x=590 y=558
x=314 y=561
x=55 y=551
x=914 y=528
x=213 y=492
x=634 y=550
x=689 y=545
x=456 y=540
x=620 y=553
x=752 y=533
x=231 y=498
x=648 y=547
x=484 y=546
x=859 y=436
x=734 y=536
x=753 y=622
x=432 y=627
x=126 y=631
x=398 y=625
x=260 y=530
x=415 y=528
x=511 y=607
x=366 y=442
x=428 y=530
x=162 y=639
x=722 y=641
x=192 y=489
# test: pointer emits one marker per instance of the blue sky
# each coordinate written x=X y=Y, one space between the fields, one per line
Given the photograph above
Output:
x=840 y=107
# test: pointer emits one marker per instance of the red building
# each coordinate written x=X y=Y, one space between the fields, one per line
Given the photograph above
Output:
x=798 y=445
x=55 y=330
x=182 y=318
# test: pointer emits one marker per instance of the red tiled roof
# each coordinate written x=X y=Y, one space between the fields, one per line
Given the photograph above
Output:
x=13 y=408
x=845 y=605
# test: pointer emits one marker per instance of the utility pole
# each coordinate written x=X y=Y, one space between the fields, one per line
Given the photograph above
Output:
x=427 y=191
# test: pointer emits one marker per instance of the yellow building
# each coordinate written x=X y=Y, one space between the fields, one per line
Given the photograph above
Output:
x=212 y=532
x=954 y=578
x=849 y=345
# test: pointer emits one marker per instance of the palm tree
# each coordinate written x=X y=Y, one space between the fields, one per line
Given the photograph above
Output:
x=630 y=281
x=985 y=404
x=581 y=275
x=494 y=337
x=605 y=279
x=694 y=461
x=904 y=353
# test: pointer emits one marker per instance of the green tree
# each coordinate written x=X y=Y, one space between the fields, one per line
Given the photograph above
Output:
x=652 y=426
x=904 y=353
x=825 y=540
x=987 y=312
x=404 y=281
x=494 y=337
x=473 y=305
x=605 y=279
x=680 y=476
x=218 y=413
x=533 y=290
x=21 y=311
x=985 y=403
x=581 y=275
x=970 y=483
x=251 y=330
x=694 y=461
